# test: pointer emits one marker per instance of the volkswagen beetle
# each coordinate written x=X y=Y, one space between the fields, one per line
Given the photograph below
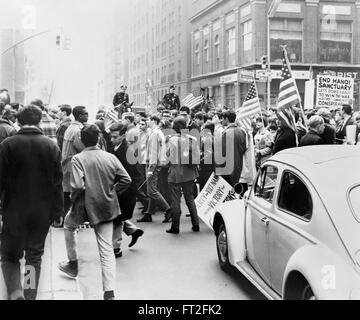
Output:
x=296 y=234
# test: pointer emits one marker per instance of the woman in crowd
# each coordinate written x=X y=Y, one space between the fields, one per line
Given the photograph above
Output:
x=263 y=141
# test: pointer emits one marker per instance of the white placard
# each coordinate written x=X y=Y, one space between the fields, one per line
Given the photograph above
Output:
x=309 y=94
x=334 y=91
x=215 y=192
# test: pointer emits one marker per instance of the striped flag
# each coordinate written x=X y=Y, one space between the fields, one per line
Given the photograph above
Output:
x=111 y=118
x=288 y=95
x=250 y=108
x=191 y=101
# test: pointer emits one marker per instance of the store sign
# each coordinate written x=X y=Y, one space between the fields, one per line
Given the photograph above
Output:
x=354 y=75
x=246 y=75
x=276 y=74
x=230 y=78
x=334 y=91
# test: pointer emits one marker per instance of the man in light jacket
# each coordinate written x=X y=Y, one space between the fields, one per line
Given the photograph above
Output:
x=96 y=172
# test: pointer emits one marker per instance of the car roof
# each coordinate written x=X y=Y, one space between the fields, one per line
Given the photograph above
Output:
x=333 y=170
x=319 y=154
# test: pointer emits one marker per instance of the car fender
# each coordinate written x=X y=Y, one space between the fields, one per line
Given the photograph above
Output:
x=329 y=275
x=233 y=215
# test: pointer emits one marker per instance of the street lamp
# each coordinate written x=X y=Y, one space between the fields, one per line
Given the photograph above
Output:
x=271 y=11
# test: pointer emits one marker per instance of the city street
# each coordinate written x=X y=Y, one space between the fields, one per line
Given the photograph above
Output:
x=159 y=267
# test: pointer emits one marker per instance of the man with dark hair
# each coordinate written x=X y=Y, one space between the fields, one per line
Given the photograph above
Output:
x=346 y=113
x=171 y=100
x=72 y=145
x=156 y=158
x=30 y=181
x=129 y=119
x=182 y=175
x=127 y=200
x=233 y=149
x=94 y=175
x=7 y=128
x=47 y=124
x=65 y=121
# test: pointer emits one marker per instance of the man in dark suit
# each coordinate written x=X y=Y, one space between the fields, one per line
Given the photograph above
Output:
x=31 y=185
x=329 y=133
x=171 y=100
x=233 y=145
x=285 y=138
x=127 y=200
x=348 y=120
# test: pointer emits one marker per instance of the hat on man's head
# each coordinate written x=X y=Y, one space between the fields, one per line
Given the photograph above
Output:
x=123 y=87
x=38 y=103
x=172 y=87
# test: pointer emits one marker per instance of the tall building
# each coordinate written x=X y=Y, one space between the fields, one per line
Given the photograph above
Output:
x=159 y=49
x=12 y=64
x=229 y=39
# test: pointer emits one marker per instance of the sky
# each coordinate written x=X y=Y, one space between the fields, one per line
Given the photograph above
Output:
x=86 y=22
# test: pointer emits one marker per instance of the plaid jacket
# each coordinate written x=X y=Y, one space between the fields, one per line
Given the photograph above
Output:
x=48 y=126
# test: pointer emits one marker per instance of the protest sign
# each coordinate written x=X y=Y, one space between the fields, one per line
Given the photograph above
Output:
x=333 y=91
x=216 y=191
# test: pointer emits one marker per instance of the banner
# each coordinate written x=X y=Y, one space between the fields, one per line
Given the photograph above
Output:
x=334 y=91
x=216 y=191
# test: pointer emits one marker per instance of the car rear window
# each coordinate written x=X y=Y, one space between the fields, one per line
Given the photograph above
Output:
x=354 y=199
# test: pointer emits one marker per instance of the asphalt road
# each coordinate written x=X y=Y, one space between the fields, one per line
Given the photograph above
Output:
x=164 y=267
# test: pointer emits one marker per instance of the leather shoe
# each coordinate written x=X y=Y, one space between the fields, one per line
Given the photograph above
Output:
x=173 y=231
x=145 y=218
x=196 y=228
x=167 y=220
x=135 y=236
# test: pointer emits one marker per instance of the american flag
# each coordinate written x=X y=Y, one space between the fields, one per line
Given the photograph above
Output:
x=288 y=95
x=250 y=108
x=191 y=101
x=111 y=118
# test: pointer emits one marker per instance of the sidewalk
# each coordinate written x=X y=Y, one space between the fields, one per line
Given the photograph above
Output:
x=53 y=284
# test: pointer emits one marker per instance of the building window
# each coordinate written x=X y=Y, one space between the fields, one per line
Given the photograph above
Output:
x=335 y=41
x=287 y=32
x=247 y=40
x=163 y=26
x=206 y=56
x=197 y=54
x=171 y=47
x=179 y=15
x=217 y=52
x=179 y=42
x=163 y=50
x=230 y=44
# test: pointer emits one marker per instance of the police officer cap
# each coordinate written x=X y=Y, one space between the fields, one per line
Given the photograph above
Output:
x=123 y=87
x=172 y=87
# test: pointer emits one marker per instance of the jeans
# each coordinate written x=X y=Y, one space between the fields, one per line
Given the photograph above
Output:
x=141 y=193
x=32 y=241
x=187 y=189
x=122 y=226
x=104 y=234
x=155 y=195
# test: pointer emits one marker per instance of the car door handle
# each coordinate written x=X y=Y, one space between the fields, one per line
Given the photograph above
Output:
x=265 y=221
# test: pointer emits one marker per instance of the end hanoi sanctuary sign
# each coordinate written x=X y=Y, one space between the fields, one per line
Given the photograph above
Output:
x=334 y=91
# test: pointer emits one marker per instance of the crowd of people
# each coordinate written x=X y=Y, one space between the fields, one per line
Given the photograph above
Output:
x=58 y=169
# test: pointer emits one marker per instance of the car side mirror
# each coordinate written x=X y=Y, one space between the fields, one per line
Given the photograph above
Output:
x=239 y=189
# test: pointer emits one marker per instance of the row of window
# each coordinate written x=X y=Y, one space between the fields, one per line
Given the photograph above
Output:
x=335 y=44
x=158 y=76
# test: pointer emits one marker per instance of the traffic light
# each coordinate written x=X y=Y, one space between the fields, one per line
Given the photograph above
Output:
x=58 y=40
x=264 y=62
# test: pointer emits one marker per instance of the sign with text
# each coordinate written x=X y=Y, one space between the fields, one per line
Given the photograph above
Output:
x=216 y=191
x=334 y=91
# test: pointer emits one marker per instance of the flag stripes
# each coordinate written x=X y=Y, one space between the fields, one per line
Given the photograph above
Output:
x=191 y=101
x=250 y=108
x=111 y=118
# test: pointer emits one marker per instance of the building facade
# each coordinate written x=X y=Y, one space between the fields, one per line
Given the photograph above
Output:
x=229 y=39
x=159 y=50
x=12 y=64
